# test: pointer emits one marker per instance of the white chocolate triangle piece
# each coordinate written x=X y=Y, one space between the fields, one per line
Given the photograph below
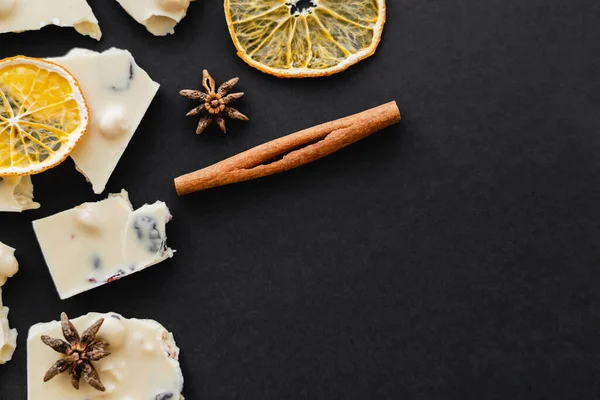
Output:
x=143 y=364
x=118 y=93
x=16 y=194
x=158 y=16
x=97 y=243
x=8 y=337
x=31 y=15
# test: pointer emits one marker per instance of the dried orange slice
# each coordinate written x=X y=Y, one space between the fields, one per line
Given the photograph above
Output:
x=43 y=114
x=305 y=38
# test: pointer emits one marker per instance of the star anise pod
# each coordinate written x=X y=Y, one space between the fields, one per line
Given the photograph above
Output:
x=215 y=103
x=80 y=351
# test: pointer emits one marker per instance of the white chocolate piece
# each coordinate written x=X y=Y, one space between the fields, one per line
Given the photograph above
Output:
x=118 y=93
x=8 y=337
x=16 y=194
x=31 y=15
x=97 y=243
x=8 y=264
x=143 y=363
x=158 y=16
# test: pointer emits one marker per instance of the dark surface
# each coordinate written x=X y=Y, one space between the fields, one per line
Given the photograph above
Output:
x=453 y=257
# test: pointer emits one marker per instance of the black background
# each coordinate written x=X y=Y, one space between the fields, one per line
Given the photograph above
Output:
x=452 y=257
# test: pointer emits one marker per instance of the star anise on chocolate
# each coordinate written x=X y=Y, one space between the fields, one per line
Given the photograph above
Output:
x=80 y=351
x=214 y=103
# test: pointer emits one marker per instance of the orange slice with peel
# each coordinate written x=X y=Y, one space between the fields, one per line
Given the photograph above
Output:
x=305 y=38
x=43 y=115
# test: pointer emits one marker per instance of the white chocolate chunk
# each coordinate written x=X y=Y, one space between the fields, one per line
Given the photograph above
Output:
x=113 y=123
x=97 y=243
x=8 y=337
x=158 y=16
x=16 y=193
x=31 y=15
x=8 y=264
x=118 y=93
x=143 y=363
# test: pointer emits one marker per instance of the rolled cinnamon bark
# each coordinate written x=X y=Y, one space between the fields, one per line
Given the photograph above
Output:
x=290 y=151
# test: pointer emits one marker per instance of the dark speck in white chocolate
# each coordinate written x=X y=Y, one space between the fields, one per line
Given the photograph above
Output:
x=147 y=232
x=97 y=262
x=129 y=80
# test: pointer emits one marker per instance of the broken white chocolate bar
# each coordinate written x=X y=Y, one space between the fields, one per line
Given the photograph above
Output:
x=143 y=363
x=118 y=93
x=97 y=243
x=16 y=194
x=31 y=15
x=8 y=337
x=158 y=16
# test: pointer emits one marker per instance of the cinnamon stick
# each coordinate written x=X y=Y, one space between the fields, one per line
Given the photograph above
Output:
x=290 y=151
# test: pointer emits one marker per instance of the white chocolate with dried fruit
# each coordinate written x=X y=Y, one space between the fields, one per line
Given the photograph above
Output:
x=32 y=15
x=8 y=337
x=97 y=243
x=143 y=364
x=158 y=16
x=118 y=93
